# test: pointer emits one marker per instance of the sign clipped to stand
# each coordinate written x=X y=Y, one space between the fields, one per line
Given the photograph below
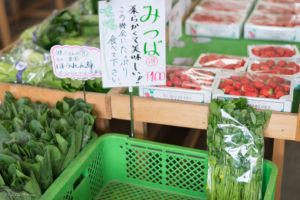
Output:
x=76 y=62
x=133 y=42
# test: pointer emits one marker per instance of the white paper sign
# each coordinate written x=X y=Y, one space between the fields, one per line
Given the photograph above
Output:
x=76 y=62
x=175 y=25
x=132 y=38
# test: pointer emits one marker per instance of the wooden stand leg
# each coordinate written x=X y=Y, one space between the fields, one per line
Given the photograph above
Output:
x=102 y=126
x=140 y=130
x=278 y=159
x=4 y=26
x=60 y=4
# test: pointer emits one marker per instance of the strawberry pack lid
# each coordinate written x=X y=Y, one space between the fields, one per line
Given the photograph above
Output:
x=226 y=62
x=281 y=67
x=228 y=6
x=255 y=85
x=189 y=78
x=273 y=51
x=213 y=18
x=287 y=21
x=275 y=8
x=282 y=1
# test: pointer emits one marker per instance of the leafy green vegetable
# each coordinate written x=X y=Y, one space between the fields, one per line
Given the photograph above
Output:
x=235 y=143
x=37 y=143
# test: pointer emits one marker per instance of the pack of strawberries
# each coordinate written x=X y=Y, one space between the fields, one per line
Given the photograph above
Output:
x=274 y=20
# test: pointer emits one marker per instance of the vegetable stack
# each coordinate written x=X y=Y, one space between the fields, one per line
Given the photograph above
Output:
x=235 y=143
x=37 y=143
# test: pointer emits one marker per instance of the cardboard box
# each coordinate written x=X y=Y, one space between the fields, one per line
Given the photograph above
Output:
x=283 y=104
x=268 y=32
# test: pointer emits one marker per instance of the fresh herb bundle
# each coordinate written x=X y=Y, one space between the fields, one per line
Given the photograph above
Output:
x=37 y=143
x=236 y=148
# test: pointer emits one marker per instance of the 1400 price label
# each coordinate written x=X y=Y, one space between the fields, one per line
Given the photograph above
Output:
x=76 y=62
x=156 y=76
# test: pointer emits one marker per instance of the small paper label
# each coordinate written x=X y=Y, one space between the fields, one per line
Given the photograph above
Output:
x=76 y=62
x=183 y=61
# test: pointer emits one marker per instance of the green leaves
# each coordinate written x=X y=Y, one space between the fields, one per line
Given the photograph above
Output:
x=235 y=144
x=38 y=142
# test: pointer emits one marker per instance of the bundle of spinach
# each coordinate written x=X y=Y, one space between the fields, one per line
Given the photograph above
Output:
x=236 y=147
x=38 y=142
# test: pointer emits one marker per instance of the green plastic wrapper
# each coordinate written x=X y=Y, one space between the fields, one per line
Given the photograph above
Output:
x=235 y=139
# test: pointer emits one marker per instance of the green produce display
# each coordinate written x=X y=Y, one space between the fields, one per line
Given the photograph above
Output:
x=236 y=148
x=38 y=142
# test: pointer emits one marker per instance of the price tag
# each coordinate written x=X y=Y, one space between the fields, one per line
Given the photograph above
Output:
x=132 y=38
x=76 y=62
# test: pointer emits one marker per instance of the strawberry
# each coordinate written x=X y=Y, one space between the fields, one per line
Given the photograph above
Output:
x=176 y=81
x=279 y=88
x=245 y=80
x=270 y=63
x=251 y=94
x=266 y=92
x=185 y=77
x=236 y=92
x=272 y=96
x=258 y=84
x=248 y=88
x=262 y=96
x=198 y=88
x=264 y=77
x=281 y=63
x=169 y=84
x=279 y=94
x=222 y=85
x=272 y=84
x=177 y=72
x=237 y=85
x=229 y=81
x=286 y=87
x=228 y=88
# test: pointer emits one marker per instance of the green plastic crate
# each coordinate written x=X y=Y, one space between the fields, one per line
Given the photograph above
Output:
x=116 y=167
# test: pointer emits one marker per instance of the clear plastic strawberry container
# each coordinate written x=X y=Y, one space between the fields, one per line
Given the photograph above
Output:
x=273 y=51
x=223 y=6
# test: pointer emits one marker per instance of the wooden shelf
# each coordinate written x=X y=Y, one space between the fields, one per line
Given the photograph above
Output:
x=193 y=115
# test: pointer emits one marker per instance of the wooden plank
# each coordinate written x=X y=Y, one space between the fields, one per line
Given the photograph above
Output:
x=60 y=4
x=38 y=13
x=192 y=138
x=278 y=159
x=4 y=25
x=191 y=115
x=298 y=126
x=140 y=130
x=101 y=102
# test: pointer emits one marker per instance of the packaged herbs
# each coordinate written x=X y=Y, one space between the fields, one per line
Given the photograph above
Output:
x=38 y=142
x=236 y=148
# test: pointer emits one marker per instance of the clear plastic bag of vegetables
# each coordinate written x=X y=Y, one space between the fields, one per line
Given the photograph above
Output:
x=30 y=64
x=236 y=148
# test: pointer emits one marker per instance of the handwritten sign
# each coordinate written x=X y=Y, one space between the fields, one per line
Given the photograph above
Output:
x=132 y=38
x=76 y=62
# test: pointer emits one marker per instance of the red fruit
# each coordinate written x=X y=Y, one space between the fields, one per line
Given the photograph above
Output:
x=259 y=84
x=177 y=72
x=245 y=80
x=264 y=77
x=229 y=81
x=222 y=85
x=279 y=94
x=262 y=96
x=169 y=84
x=279 y=88
x=237 y=85
x=278 y=79
x=185 y=77
x=228 y=88
x=266 y=92
x=236 y=92
x=176 y=81
x=198 y=88
x=270 y=63
x=251 y=94
x=248 y=88
x=272 y=96
x=281 y=63
x=286 y=87
x=272 y=84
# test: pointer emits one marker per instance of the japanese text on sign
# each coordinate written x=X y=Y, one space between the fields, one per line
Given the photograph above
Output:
x=76 y=62
x=132 y=38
